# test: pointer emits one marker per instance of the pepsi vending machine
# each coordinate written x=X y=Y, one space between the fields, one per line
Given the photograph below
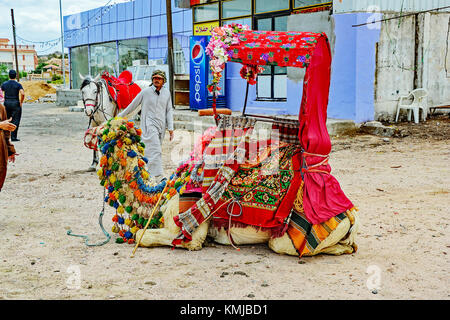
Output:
x=200 y=76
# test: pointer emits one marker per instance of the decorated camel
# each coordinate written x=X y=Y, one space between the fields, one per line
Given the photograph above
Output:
x=236 y=187
x=254 y=197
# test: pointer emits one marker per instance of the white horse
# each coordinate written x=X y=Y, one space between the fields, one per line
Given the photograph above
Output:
x=98 y=105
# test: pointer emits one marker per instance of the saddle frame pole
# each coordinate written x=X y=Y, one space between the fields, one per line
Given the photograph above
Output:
x=149 y=219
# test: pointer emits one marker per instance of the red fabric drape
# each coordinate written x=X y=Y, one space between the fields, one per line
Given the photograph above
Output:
x=323 y=197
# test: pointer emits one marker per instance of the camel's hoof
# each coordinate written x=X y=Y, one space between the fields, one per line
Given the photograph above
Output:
x=91 y=168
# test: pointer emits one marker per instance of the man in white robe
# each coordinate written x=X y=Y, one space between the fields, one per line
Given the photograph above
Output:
x=156 y=115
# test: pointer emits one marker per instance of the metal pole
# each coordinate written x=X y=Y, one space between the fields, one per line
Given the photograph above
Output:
x=62 y=46
x=245 y=102
x=15 y=44
x=170 y=46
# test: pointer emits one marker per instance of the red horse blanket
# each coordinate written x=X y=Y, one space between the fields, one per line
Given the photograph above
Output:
x=122 y=89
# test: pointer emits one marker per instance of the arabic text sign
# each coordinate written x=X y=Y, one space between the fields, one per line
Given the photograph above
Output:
x=204 y=29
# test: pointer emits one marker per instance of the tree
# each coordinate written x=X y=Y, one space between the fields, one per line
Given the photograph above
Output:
x=3 y=73
x=3 y=69
x=38 y=69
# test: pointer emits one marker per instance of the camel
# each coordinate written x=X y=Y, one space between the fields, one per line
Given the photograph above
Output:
x=130 y=190
x=98 y=105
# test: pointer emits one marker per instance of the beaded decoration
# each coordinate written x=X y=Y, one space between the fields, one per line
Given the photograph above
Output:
x=130 y=189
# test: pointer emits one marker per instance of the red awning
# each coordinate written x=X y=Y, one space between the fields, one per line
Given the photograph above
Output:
x=284 y=49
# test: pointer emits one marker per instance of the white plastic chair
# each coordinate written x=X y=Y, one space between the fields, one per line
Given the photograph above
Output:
x=419 y=101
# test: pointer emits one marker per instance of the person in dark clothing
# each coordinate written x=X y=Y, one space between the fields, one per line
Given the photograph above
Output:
x=7 y=151
x=14 y=96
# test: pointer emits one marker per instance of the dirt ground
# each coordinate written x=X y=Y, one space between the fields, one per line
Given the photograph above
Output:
x=401 y=187
x=36 y=89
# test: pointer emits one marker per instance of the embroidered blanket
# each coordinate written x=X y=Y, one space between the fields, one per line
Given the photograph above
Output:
x=272 y=176
x=263 y=191
x=122 y=89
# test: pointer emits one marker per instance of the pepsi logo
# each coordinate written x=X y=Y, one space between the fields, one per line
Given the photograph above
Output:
x=197 y=53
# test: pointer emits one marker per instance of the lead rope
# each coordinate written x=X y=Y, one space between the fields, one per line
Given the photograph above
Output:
x=100 y=222
x=311 y=168
x=230 y=213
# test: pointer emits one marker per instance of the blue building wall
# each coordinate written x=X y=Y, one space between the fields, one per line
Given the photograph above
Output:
x=352 y=76
x=353 y=67
x=353 y=70
x=236 y=95
x=129 y=20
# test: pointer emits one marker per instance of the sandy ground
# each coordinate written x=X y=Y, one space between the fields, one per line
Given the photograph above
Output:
x=36 y=89
x=401 y=188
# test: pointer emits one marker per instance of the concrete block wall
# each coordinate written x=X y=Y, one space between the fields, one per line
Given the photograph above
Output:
x=413 y=52
x=67 y=97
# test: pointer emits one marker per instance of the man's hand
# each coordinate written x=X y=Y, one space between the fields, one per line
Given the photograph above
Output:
x=22 y=96
x=7 y=125
x=171 y=134
x=12 y=158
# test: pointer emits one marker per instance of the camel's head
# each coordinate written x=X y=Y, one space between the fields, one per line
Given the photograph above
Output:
x=90 y=91
x=123 y=174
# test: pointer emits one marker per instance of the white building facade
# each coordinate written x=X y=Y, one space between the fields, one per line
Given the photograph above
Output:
x=26 y=56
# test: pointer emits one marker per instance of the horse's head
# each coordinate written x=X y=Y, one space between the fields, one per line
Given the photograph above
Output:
x=90 y=91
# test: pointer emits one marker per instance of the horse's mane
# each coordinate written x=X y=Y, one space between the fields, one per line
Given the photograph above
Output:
x=86 y=82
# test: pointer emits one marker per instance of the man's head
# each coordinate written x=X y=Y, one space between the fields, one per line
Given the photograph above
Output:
x=12 y=74
x=158 y=78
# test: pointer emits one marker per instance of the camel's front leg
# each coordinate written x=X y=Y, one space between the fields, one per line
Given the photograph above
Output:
x=165 y=236
x=155 y=237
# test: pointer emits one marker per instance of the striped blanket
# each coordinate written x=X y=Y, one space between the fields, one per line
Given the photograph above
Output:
x=231 y=132
x=310 y=239
x=221 y=160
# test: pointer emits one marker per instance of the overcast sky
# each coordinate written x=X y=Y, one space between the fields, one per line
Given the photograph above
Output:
x=39 y=20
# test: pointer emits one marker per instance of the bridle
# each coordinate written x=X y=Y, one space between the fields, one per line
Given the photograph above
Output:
x=98 y=102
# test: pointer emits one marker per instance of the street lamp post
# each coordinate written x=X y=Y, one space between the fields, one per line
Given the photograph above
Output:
x=62 y=46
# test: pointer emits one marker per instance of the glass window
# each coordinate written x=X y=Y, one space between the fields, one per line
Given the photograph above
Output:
x=206 y=12
x=79 y=64
x=243 y=21
x=179 y=60
x=236 y=8
x=271 y=5
x=272 y=82
x=265 y=24
x=264 y=86
x=280 y=23
x=130 y=50
x=280 y=86
x=305 y=3
x=103 y=58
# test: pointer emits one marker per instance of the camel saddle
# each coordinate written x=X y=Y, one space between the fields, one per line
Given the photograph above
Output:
x=122 y=90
